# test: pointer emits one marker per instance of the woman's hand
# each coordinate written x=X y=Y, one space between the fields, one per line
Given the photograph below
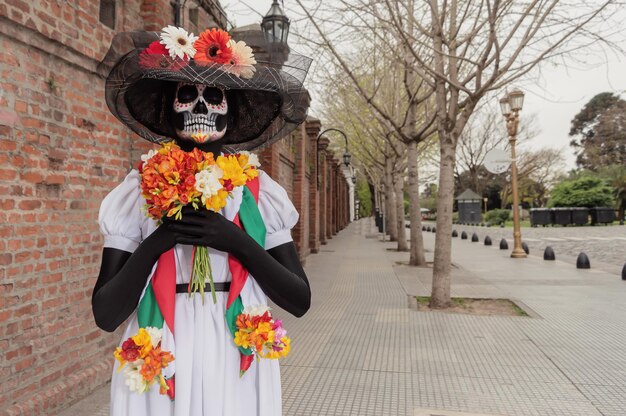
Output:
x=207 y=228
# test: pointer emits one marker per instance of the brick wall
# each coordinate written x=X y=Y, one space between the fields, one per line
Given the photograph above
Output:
x=62 y=152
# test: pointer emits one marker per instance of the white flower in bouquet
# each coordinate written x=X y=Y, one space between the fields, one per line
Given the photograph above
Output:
x=133 y=378
x=208 y=182
x=254 y=310
x=253 y=159
x=148 y=156
x=155 y=335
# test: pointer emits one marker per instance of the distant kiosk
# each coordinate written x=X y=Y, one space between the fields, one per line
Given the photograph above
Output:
x=469 y=207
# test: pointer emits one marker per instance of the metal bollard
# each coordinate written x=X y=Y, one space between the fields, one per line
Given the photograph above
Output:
x=463 y=235
x=548 y=254
x=503 y=244
x=487 y=241
x=454 y=233
x=582 y=262
x=474 y=238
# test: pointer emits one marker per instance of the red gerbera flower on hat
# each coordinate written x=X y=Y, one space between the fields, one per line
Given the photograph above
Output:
x=212 y=47
x=156 y=55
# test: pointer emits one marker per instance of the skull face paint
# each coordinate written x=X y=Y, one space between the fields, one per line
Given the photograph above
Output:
x=200 y=112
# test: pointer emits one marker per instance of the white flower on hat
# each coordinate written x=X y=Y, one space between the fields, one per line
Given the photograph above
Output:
x=178 y=42
x=242 y=60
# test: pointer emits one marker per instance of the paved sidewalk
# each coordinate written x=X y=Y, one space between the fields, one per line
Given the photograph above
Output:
x=361 y=351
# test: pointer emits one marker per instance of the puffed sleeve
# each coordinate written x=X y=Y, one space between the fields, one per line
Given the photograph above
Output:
x=277 y=211
x=120 y=216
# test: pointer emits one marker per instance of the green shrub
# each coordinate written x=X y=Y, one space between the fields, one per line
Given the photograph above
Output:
x=585 y=191
x=498 y=216
x=364 y=195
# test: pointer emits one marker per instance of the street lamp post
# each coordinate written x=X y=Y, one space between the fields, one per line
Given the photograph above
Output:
x=275 y=24
x=511 y=104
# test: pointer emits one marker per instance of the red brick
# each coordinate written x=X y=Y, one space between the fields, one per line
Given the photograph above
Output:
x=55 y=179
x=6 y=259
x=30 y=204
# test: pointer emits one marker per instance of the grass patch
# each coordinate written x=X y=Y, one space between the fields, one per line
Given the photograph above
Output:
x=473 y=306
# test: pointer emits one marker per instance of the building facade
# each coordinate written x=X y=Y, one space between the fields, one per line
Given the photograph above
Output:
x=62 y=152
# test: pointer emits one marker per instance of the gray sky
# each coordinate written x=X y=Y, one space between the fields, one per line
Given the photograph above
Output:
x=555 y=93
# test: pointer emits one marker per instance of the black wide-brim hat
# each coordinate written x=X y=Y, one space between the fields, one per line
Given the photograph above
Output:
x=261 y=109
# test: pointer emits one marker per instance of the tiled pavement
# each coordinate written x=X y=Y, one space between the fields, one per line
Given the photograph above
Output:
x=361 y=351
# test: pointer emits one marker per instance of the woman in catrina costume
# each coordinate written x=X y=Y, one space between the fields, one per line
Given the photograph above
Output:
x=214 y=94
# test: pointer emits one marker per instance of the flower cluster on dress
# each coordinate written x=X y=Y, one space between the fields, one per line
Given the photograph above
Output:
x=172 y=178
x=177 y=48
x=144 y=360
x=256 y=329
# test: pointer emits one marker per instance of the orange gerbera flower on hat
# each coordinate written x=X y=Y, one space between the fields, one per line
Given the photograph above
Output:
x=213 y=47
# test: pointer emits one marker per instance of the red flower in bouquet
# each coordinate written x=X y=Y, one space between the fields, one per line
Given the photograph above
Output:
x=130 y=350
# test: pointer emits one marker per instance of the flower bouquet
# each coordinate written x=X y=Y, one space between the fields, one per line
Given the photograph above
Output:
x=144 y=361
x=257 y=330
x=172 y=178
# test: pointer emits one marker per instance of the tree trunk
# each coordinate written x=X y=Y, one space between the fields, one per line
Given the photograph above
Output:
x=440 y=297
x=398 y=185
x=390 y=209
x=415 y=213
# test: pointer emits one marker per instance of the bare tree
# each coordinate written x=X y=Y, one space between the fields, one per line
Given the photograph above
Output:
x=478 y=47
x=485 y=131
x=386 y=80
x=542 y=166
x=463 y=50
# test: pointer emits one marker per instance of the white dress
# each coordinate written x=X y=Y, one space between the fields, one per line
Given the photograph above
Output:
x=207 y=359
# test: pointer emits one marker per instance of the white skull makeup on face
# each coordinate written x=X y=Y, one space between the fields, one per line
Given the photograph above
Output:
x=200 y=112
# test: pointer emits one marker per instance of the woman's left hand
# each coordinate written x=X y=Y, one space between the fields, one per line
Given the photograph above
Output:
x=208 y=229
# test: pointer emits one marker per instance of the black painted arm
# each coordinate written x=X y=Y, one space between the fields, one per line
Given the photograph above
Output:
x=122 y=278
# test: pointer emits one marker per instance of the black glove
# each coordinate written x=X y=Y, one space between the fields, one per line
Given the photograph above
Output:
x=208 y=229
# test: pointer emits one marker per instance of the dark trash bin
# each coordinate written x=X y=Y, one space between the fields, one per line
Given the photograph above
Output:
x=580 y=216
x=540 y=216
x=562 y=216
x=602 y=215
